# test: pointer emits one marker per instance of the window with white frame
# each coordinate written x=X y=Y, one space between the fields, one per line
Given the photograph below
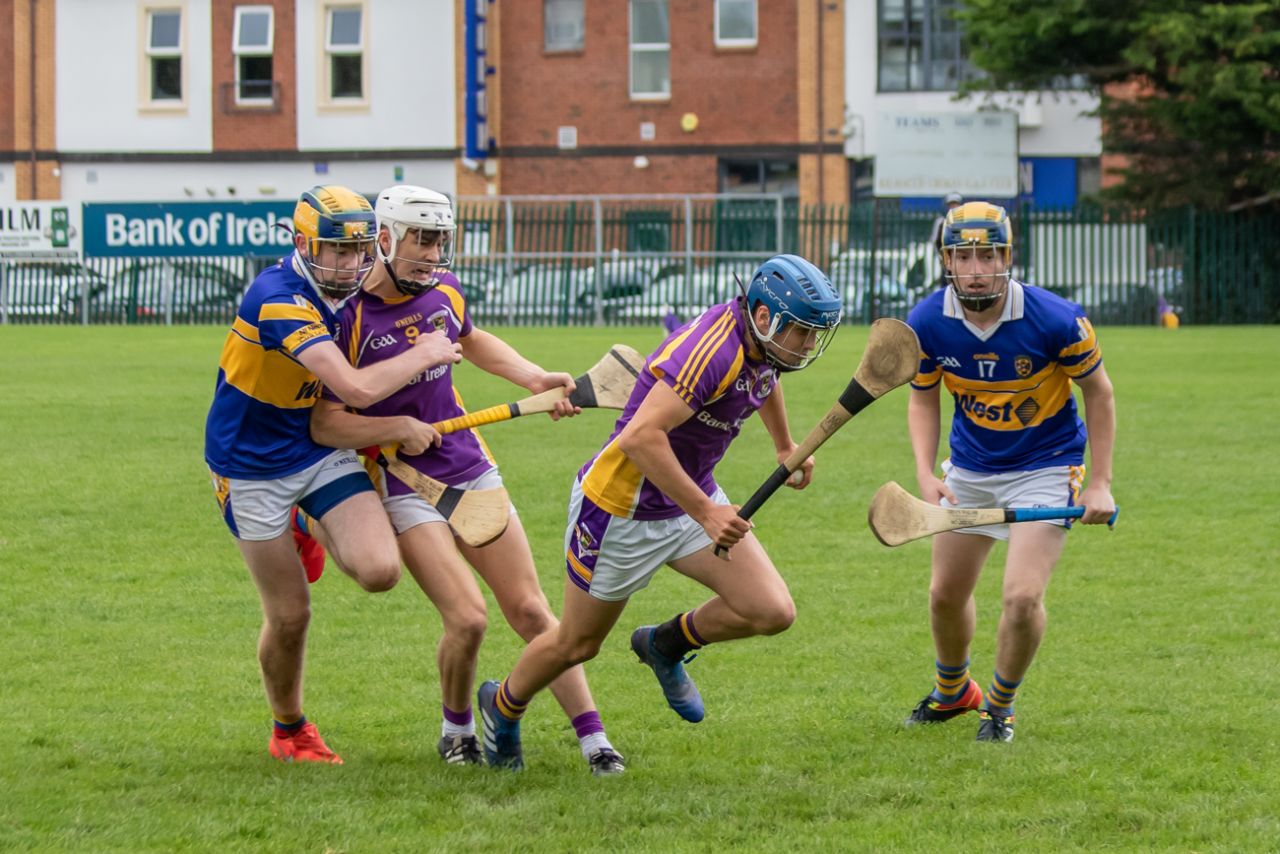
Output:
x=164 y=54
x=650 y=50
x=921 y=46
x=344 y=52
x=736 y=23
x=563 y=25
x=253 y=43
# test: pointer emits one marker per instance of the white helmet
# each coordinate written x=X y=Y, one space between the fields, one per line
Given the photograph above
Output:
x=429 y=215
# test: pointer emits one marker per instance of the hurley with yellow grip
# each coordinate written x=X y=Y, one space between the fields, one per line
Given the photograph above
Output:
x=605 y=386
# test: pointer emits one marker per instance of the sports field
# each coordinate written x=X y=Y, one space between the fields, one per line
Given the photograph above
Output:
x=132 y=717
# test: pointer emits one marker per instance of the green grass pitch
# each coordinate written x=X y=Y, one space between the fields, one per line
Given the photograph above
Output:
x=132 y=717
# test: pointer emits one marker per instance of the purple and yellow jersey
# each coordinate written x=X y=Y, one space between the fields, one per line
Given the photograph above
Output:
x=371 y=329
x=705 y=362
x=258 y=427
x=1014 y=410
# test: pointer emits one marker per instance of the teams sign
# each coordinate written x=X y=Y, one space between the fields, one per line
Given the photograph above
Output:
x=931 y=154
x=34 y=228
x=170 y=229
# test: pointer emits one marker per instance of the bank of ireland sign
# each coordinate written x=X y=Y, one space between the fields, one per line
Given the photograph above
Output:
x=186 y=229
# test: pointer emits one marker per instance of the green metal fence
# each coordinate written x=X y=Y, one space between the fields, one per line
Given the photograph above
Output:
x=633 y=259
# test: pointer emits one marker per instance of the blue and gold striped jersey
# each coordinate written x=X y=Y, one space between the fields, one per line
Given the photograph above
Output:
x=259 y=424
x=1014 y=410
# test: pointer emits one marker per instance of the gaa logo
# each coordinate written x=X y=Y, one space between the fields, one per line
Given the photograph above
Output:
x=1022 y=364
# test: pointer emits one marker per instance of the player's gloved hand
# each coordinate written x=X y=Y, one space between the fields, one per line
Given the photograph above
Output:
x=557 y=379
x=436 y=349
x=415 y=436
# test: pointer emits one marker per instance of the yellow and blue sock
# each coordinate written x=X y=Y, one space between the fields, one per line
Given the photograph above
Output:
x=1000 y=697
x=950 y=682
x=289 y=729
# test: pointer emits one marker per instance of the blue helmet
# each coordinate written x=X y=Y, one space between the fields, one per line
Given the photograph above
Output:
x=797 y=294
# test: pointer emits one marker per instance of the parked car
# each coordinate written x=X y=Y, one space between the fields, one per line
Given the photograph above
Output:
x=183 y=289
x=48 y=289
x=898 y=278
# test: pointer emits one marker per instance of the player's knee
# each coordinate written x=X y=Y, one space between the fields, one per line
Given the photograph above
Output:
x=379 y=576
x=290 y=626
x=1022 y=606
x=775 y=616
x=579 y=650
x=531 y=618
x=943 y=600
x=468 y=627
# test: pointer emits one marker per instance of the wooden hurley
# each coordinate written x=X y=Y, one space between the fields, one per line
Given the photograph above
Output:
x=477 y=516
x=890 y=359
x=896 y=516
x=605 y=386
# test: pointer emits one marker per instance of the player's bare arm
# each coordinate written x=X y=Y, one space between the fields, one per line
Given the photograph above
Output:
x=362 y=387
x=644 y=440
x=773 y=414
x=924 y=411
x=1100 y=421
x=491 y=354
x=332 y=424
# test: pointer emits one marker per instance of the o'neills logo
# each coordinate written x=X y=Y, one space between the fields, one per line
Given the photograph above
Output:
x=405 y=321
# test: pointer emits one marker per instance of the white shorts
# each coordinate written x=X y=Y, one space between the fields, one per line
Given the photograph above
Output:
x=1056 y=486
x=409 y=511
x=611 y=557
x=259 y=509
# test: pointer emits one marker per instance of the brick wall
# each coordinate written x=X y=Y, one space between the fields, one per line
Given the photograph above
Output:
x=245 y=128
x=7 y=72
x=741 y=98
x=45 y=183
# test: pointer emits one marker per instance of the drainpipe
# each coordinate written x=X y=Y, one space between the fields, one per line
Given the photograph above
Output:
x=31 y=117
x=821 y=130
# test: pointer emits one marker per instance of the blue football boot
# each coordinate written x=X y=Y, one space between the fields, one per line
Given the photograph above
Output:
x=501 y=734
x=682 y=695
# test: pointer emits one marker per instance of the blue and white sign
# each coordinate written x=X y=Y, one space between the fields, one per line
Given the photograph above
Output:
x=171 y=229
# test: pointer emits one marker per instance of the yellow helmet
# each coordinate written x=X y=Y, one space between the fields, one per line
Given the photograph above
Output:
x=978 y=225
x=344 y=218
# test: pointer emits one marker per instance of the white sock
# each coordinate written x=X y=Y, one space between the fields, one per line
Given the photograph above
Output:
x=451 y=729
x=591 y=743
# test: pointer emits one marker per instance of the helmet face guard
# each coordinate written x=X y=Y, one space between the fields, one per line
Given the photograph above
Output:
x=338 y=228
x=971 y=228
x=419 y=222
x=804 y=311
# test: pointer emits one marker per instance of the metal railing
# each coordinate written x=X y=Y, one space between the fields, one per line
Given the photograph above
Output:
x=591 y=260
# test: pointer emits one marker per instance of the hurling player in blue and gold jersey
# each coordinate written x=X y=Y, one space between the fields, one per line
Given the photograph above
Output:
x=259 y=449
x=1008 y=354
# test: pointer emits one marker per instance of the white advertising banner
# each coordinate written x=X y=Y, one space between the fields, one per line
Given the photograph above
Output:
x=35 y=228
x=932 y=154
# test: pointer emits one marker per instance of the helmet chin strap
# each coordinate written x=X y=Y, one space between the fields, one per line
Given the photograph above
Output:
x=408 y=287
x=981 y=303
x=761 y=344
x=339 y=295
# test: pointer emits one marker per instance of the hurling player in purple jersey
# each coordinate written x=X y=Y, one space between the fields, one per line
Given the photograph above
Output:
x=649 y=498
x=408 y=292
x=279 y=350
x=1008 y=353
